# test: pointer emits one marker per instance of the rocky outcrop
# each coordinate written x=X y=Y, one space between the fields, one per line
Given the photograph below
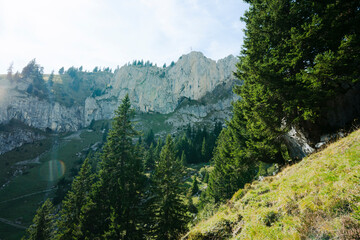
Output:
x=39 y=113
x=297 y=144
x=154 y=89
x=13 y=138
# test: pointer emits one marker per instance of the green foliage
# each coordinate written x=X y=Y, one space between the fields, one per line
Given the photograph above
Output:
x=170 y=211
x=197 y=143
x=70 y=215
x=194 y=186
x=150 y=158
x=61 y=70
x=232 y=166
x=183 y=158
x=150 y=138
x=43 y=223
x=114 y=207
x=34 y=72
x=296 y=56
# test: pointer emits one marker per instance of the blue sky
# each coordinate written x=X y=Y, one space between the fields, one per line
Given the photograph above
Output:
x=93 y=33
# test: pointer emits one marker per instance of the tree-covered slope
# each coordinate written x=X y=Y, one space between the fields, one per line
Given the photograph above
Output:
x=317 y=198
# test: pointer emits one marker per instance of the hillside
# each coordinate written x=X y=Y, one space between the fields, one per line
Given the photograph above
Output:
x=317 y=198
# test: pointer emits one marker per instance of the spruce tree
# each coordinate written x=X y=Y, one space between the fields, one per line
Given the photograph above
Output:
x=169 y=208
x=204 y=150
x=297 y=57
x=69 y=221
x=233 y=168
x=43 y=223
x=183 y=158
x=115 y=206
x=194 y=186
x=150 y=158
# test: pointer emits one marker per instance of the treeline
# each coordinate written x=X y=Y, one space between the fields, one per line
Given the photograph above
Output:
x=73 y=70
x=75 y=85
x=119 y=200
x=195 y=145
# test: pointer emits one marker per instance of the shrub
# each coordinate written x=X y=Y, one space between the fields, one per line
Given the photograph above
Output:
x=270 y=217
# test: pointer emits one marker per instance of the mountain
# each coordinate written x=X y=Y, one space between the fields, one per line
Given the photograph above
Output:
x=193 y=89
x=162 y=90
x=313 y=199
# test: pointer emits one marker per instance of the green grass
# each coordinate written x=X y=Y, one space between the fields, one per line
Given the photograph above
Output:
x=10 y=233
x=54 y=164
x=154 y=121
x=314 y=199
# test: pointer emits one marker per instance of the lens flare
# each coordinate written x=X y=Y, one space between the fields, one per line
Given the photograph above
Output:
x=52 y=170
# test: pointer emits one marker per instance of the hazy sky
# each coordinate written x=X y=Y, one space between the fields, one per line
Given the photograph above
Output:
x=93 y=33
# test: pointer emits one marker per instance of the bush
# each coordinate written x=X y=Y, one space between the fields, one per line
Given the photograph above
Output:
x=270 y=217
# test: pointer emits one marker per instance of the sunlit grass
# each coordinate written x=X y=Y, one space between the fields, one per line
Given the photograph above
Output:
x=309 y=199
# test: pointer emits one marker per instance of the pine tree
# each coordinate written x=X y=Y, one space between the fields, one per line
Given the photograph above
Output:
x=69 y=221
x=43 y=223
x=170 y=210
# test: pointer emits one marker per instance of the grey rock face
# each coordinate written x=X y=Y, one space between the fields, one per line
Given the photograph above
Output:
x=150 y=88
x=11 y=140
x=40 y=113
x=153 y=89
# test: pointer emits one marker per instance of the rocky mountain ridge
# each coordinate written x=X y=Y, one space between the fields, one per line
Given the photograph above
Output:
x=154 y=89
x=151 y=89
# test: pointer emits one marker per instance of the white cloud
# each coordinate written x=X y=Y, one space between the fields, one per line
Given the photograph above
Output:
x=110 y=33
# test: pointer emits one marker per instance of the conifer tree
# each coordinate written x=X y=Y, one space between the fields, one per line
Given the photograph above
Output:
x=115 y=206
x=297 y=57
x=69 y=221
x=204 y=150
x=43 y=223
x=183 y=158
x=194 y=186
x=232 y=166
x=158 y=148
x=169 y=207
x=150 y=158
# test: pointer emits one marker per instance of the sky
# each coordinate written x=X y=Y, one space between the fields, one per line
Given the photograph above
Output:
x=111 y=33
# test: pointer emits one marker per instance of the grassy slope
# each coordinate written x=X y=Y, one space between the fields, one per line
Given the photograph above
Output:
x=313 y=199
x=40 y=177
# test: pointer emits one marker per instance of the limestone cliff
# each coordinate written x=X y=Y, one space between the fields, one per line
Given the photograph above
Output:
x=154 y=89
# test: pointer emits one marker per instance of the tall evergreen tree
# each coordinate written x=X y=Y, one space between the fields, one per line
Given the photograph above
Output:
x=150 y=138
x=69 y=221
x=43 y=223
x=169 y=207
x=150 y=158
x=183 y=158
x=232 y=166
x=297 y=55
x=116 y=203
x=194 y=186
